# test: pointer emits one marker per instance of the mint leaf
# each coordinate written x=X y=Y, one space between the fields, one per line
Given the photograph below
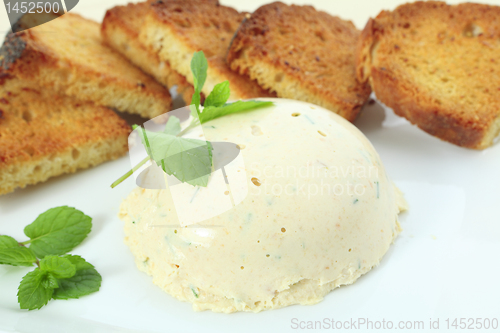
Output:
x=173 y=126
x=199 y=67
x=85 y=281
x=218 y=96
x=57 y=231
x=50 y=281
x=188 y=160
x=32 y=294
x=182 y=158
x=7 y=242
x=59 y=267
x=17 y=256
x=210 y=113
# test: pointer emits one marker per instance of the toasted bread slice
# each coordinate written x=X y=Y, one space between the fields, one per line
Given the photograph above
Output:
x=120 y=30
x=438 y=66
x=68 y=56
x=43 y=135
x=175 y=29
x=303 y=54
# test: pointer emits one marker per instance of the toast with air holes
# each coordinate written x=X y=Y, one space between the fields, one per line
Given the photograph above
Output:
x=120 y=30
x=438 y=66
x=43 y=135
x=176 y=29
x=301 y=53
x=68 y=56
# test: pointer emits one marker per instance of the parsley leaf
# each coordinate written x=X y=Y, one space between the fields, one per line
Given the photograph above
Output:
x=210 y=113
x=57 y=231
x=32 y=293
x=17 y=256
x=7 y=242
x=218 y=96
x=188 y=160
x=199 y=67
x=85 y=281
x=58 y=267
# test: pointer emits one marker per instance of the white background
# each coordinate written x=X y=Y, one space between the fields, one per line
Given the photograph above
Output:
x=445 y=264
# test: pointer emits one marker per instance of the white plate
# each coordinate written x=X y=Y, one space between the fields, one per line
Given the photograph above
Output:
x=443 y=265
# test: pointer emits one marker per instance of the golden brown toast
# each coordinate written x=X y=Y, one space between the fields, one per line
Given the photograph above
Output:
x=175 y=29
x=302 y=54
x=43 y=135
x=68 y=56
x=438 y=66
x=120 y=30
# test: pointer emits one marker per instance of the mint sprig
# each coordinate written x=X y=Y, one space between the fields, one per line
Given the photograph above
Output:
x=57 y=231
x=173 y=126
x=85 y=281
x=210 y=112
x=190 y=160
x=33 y=291
x=219 y=96
x=58 y=267
x=216 y=105
x=53 y=233
x=7 y=242
x=17 y=256
x=199 y=68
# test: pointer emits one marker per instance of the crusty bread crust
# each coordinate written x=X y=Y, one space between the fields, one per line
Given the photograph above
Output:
x=43 y=135
x=67 y=55
x=120 y=30
x=437 y=65
x=301 y=54
x=176 y=29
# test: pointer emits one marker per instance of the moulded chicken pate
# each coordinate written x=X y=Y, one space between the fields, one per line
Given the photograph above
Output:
x=320 y=212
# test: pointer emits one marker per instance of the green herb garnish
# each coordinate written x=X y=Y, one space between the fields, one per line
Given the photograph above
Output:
x=210 y=112
x=190 y=160
x=52 y=234
x=194 y=292
x=85 y=281
x=57 y=231
x=199 y=68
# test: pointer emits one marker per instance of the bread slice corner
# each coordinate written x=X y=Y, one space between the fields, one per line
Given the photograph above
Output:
x=43 y=135
x=67 y=55
x=302 y=54
x=120 y=30
x=437 y=65
x=176 y=29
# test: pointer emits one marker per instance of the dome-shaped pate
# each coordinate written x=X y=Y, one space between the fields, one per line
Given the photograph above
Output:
x=320 y=211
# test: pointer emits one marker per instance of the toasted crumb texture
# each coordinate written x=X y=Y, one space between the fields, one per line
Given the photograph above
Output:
x=120 y=30
x=302 y=54
x=43 y=135
x=68 y=56
x=438 y=66
x=176 y=29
